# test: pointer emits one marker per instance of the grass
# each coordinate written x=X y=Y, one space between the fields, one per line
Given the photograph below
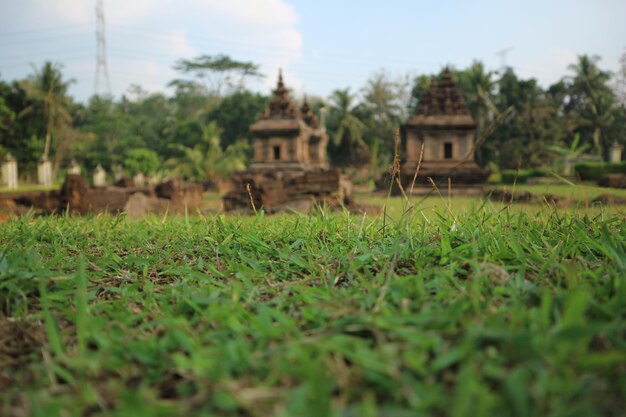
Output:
x=483 y=311
x=26 y=188
x=578 y=191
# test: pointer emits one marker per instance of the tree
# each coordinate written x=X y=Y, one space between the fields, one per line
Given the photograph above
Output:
x=534 y=126
x=150 y=117
x=421 y=83
x=477 y=86
x=383 y=109
x=592 y=100
x=214 y=72
x=141 y=160
x=108 y=128
x=235 y=114
x=347 y=146
x=207 y=160
x=7 y=117
x=47 y=88
x=620 y=81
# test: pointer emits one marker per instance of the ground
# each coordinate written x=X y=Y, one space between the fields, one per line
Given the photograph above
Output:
x=443 y=307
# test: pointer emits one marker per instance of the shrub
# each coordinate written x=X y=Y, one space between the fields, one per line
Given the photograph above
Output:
x=523 y=175
x=141 y=160
x=593 y=171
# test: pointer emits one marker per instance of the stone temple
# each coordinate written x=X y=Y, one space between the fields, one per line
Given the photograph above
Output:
x=445 y=128
x=290 y=169
x=287 y=139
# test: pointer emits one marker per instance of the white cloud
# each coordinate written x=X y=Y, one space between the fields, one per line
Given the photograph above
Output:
x=257 y=12
x=177 y=44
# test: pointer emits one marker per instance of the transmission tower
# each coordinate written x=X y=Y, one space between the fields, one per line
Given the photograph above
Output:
x=503 y=53
x=101 y=83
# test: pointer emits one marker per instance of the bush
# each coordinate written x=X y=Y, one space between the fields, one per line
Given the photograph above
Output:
x=141 y=160
x=593 y=171
x=523 y=175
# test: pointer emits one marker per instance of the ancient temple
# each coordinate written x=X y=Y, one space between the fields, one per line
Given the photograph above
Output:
x=288 y=139
x=446 y=129
x=290 y=169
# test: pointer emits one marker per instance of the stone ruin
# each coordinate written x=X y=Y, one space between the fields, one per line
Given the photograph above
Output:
x=445 y=128
x=78 y=197
x=290 y=170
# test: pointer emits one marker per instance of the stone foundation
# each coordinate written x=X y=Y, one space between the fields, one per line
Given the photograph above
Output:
x=276 y=191
x=464 y=175
x=75 y=195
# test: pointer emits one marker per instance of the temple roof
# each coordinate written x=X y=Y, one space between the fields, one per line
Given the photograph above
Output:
x=307 y=115
x=442 y=106
x=280 y=114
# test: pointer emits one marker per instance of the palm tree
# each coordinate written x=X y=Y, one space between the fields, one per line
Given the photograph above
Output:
x=207 y=160
x=591 y=98
x=348 y=134
x=47 y=88
x=382 y=103
x=478 y=86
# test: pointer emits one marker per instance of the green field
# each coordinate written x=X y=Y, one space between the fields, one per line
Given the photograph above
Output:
x=475 y=310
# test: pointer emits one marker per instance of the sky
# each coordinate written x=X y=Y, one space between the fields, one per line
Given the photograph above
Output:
x=320 y=45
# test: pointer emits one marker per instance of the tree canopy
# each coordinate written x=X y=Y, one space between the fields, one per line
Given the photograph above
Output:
x=202 y=128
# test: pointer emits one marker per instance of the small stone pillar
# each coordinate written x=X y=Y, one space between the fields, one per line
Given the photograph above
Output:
x=139 y=180
x=44 y=172
x=9 y=172
x=74 y=168
x=118 y=172
x=616 y=152
x=99 y=177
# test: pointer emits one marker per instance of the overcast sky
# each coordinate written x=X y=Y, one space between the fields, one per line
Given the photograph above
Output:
x=321 y=45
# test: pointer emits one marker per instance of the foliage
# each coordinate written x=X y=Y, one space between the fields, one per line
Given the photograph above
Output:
x=620 y=81
x=574 y=150
x=207 y=160
x=593 y=171
x=235 y=114
x=591 y=98
x=543 y=126
x=6 y=115
x=482 y=313
x=141 y=160
x=521 y=176
x=347 y=146
x=47 y=89
x=215 y=72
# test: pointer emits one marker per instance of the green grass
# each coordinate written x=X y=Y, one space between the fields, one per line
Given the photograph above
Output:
x=580 y=192
x=26 y=188
x=483 y=311
x=431 y=207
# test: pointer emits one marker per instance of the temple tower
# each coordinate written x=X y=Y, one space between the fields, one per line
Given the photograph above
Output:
x=286 y=138
x=446 y=129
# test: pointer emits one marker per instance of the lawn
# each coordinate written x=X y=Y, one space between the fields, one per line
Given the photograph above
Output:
x=478 y=310
x=580 y=191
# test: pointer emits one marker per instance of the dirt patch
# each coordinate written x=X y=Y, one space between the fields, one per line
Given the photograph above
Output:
x=20 y=342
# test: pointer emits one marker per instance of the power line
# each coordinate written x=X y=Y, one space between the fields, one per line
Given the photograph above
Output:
x=39 y=31
x=102 y=72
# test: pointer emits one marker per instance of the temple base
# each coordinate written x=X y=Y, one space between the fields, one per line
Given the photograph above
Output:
x=277 y=190
x=460 y=174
